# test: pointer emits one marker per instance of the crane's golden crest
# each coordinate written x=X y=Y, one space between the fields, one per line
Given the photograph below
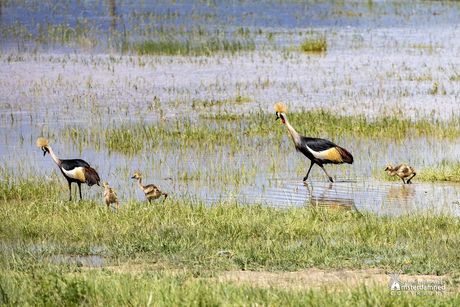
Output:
x=280 y=107
x=41 y=142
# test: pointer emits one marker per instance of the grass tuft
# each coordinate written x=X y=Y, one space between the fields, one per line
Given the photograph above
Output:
x=314 y=44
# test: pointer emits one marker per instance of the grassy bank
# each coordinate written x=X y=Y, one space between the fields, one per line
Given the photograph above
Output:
x=198 y=243
x=188 y=234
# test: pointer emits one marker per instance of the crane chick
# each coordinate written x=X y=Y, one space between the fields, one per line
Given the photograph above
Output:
x=151 y=191
x=402 y=171
x=110 y=196
x=74 y=170
x=319 y=151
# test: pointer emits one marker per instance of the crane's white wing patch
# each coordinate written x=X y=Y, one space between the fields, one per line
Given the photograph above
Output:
x=331 y=154
x=76 y=173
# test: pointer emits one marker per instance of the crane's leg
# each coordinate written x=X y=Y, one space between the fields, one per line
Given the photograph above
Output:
x=330 y=178
x=70 y=190
x=79 y=189
x=403 y=180
x=408 y=181
x=308 y=173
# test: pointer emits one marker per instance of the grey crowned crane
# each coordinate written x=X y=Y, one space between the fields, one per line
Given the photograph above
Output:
x=319 y=151
x=151 y=191
x=110 y=196
x=402 y=171
x=74 y=170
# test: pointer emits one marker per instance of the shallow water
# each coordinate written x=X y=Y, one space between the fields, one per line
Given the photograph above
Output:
x=375 y=64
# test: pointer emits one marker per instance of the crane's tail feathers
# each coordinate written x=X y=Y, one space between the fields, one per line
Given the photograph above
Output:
x=91 y=176
x=347 y=157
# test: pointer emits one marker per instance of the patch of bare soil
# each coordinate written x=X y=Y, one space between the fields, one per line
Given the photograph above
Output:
x=318 y=279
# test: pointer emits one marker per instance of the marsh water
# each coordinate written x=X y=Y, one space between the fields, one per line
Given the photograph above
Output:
x=382 y=58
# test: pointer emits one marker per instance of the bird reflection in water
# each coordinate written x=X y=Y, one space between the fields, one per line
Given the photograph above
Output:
x=320 y=198
x=402 y=192
x=113 y=14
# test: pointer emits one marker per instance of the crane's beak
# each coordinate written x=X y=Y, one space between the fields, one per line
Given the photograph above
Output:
x=277 y=117
x=134 y=177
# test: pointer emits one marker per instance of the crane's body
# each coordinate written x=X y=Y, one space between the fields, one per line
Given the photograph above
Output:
x=74 y=170
x=402 y=171
x=319 y=151
x=110 y=196
x=151 y=191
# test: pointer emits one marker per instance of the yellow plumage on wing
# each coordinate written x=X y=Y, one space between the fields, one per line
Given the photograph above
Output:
x=280 y=107
x=42 y=142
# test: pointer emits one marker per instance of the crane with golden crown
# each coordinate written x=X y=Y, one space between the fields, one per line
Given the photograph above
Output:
x=74 y=170
x=319 y=151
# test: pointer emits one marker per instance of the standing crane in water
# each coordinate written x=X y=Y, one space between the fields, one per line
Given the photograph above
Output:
x=319 y=151
x=74 y=170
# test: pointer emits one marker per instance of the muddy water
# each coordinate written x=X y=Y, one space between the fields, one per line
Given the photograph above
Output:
x=374 y=65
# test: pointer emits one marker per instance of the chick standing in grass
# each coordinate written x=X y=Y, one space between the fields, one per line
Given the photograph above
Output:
x=402 y=171
x=151 y=191
x=110 y=196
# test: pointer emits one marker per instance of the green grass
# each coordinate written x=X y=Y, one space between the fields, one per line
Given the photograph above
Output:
x=442 y=171
x=105 y=287
x=190 y=47
x=32 y=188
x=314 y=44
x=185 y=233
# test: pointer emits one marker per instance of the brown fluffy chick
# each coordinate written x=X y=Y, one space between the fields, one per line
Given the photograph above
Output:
x=110 y=196
x=402 y=171
x=151 y=191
